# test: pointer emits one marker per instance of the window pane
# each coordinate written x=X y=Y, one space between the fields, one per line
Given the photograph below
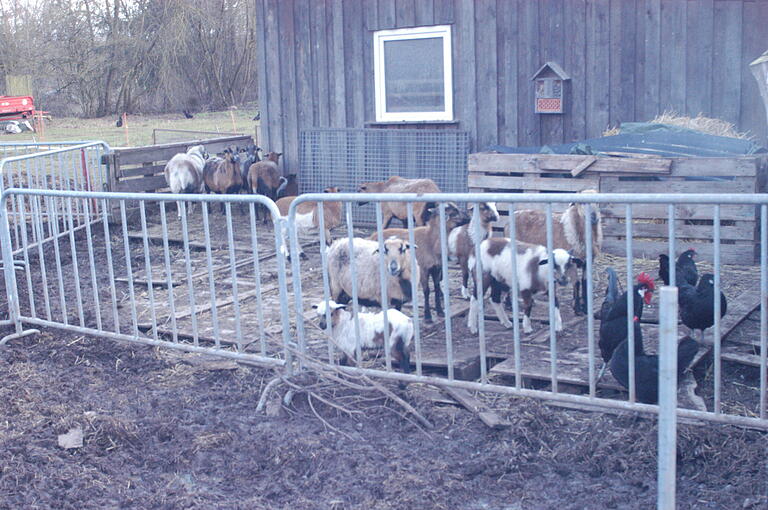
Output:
x=414 y=75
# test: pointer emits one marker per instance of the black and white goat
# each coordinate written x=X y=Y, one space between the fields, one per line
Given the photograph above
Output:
x=533 y=268
x=568 y=232
x=371 y=331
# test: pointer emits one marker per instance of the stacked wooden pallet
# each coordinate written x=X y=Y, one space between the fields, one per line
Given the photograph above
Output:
x=545 y=173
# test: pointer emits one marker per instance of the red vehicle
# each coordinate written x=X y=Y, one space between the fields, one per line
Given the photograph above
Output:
x=17 y=107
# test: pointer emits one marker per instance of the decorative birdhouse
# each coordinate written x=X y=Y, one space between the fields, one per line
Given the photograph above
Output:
x=550 y=82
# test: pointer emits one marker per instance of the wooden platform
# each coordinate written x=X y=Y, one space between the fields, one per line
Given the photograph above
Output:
x=214 y=310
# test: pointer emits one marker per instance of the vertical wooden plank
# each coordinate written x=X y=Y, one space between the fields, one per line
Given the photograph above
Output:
x=753 y=45
x=263 y=77
x=386 y=14
x=552 y=36
x=726 y=62
x=598 y=66
x=304 y=77
x=575 y=118
x=652 y=76
x=425 y=12
x=338 y=92
x=673 y=56
x=506 y=29
x=274 y=114
x=353 y=59
x=529 y=61
x=320 y=67
x=622 y=58
x=371 y=22
x=444 y=12
x=639 y=64
x=405 y=13
x=288 y=84
x=700 y=34
x=487 y=75
x=465 y=96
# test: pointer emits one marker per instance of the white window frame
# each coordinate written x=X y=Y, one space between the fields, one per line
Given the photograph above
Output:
x=382 y=36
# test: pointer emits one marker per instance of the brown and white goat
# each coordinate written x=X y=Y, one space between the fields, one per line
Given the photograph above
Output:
x=461 y=242
x=223 y=176
x=568 y=232
x=399 y=272
x=265 y=179
x=184 y=172
x=399 y=210
x=428 y=254
x=532 y=269
x=308 y=218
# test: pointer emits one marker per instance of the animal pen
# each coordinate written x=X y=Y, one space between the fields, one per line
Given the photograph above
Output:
x=117 y=265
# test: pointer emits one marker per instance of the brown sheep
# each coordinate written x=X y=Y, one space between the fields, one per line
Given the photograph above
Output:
x=264 y=178
x=399 y=210
x=307 y=216
x=223 y=175
x=429 y=253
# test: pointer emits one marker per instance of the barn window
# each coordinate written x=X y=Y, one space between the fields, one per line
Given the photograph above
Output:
x=413 y=78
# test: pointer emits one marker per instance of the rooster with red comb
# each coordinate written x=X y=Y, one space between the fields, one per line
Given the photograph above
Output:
x=613 y=313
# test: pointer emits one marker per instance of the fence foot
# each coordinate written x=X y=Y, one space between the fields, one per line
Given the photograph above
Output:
x=22 y=334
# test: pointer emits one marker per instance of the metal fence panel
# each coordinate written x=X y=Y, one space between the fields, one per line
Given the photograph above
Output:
x=346 y=158
x=146 y=279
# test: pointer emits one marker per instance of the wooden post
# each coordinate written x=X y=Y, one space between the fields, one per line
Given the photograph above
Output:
x=125 y=129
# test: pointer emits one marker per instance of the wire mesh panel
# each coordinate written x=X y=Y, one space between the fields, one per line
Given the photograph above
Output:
x=348 y=157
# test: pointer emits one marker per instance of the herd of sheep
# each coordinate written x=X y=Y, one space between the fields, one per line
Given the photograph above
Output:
x=194 y=172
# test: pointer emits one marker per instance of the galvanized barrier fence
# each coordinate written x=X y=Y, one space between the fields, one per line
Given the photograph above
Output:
x=217 y=282
x=74 y=166
x=113 y=280
x=515 y=201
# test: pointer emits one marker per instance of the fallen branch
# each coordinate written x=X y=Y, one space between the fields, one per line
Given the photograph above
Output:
x=265 y=393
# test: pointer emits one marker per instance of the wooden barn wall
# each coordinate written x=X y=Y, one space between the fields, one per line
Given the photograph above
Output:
x=629 y=60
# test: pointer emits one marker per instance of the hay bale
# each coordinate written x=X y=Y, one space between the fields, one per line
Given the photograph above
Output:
x=706 y=125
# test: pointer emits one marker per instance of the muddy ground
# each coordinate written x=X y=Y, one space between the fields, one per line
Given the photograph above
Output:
x=163 y=430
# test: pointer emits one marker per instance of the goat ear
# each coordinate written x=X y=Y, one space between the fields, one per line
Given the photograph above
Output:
x=543 y=262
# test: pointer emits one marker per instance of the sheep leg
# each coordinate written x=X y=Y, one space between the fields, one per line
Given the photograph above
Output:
x=464 y=278
x=558 y=317
x=496 y=291
x=436 y=276
x=527 y=307
x=425 y=289
x=577 y=297
x=401 y=355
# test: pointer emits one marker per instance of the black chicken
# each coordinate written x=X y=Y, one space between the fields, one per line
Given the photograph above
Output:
x=187 y=114
x=647 y=367
x=685 y=268
x=697 y=305
x=613 y=313
x=119 y=122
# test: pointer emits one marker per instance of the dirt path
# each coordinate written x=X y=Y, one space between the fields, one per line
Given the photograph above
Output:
x=160 y=432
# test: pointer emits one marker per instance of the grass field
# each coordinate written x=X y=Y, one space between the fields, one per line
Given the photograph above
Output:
x=140 y=128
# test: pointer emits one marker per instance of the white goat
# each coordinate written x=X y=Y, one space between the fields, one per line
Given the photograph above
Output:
x=533 y=269
x=184 y=172
x=462 y=241
x=371 y=331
